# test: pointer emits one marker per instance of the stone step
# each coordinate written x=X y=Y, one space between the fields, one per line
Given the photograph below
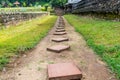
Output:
x=61 y=19
x=59 y=33
x=61 y=22
x=64 y=71
x=58 y=48
x=60 y=30
x=60 y=39
x=59 y=27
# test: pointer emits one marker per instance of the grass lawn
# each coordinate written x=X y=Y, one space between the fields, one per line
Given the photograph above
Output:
x=102 y=36
x=23 y=37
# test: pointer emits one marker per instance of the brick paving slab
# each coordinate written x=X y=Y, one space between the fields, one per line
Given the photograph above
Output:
x=64 y=71
x=60 y=30
x=59 y=27
x=61 y=22
x=60 y=39
x=59 y=33
x=61 y=19
x=58 y=48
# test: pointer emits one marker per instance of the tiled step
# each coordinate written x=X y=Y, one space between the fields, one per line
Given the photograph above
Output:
x=58 y=48
x=60 y=39
x=64 y=71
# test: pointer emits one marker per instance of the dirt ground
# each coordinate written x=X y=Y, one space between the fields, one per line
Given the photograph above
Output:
x=33 y=66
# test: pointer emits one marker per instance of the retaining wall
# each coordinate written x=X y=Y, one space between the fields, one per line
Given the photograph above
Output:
x=106 y=6
x=11 y=18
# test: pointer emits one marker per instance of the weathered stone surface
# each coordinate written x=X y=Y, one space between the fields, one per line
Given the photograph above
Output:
x=59 y=33
x=58 y=48
x=64 y=71
x=101 y=6
x=60 y=39
x=7 y=18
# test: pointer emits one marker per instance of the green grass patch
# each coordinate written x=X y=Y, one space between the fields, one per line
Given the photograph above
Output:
x=22 y=9
x=26 y=9
x=102 y=36
x=25 y=36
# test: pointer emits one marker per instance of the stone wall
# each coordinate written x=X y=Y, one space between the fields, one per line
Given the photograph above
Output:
x=106 y=8
x=13 y=18
x=112 y=6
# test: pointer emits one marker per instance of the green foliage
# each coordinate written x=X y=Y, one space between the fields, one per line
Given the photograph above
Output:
x=18 y=39
x=102 y=36
x=24 y=4
x=28 y=3
x=58 y=3
x=10 y=4
x=3 y=61
x=31 y=5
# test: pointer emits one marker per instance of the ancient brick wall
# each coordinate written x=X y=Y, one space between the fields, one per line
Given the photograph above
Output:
x=102 y=6
x=11 y=18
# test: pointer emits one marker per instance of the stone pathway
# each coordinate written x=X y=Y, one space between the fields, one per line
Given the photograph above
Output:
x=33 y=66
x=59 y=48
x=62 y=71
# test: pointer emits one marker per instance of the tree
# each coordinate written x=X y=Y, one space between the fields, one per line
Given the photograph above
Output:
x=54 y=3
x=58 y=3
